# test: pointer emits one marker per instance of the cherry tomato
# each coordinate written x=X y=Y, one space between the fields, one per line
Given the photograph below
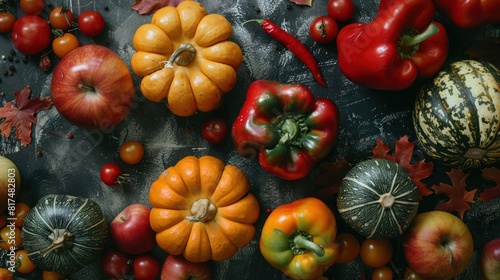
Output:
x=376 y=252
x=7 y=21
x=11 y=238
x=131 y=152
x=115 y=264
x=52 y=275
x=349 y=247
x=31 y=34
x=382 y=273
x=32 y=7
x=214 y=130
x=324 y=29
x=340 y=10
x=411 y=275
x=146 y=267
x=110 y=174
x=5 y=274
x=65 y=44
x=25 y=265
x=91 y=23
x=20 y=213
x=61 y=18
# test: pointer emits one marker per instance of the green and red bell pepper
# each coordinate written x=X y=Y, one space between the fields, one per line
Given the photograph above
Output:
x=298 y=238
x=286 y=127
x=470 y=13
x=402 y=44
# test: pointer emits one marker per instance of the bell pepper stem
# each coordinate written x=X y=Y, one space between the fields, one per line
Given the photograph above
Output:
x=409 y=40
x=303 y=242
x=290 y=131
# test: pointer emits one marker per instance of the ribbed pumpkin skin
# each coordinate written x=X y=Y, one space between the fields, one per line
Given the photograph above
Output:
x=457 y=116
x=82 y=217
x=362 y=191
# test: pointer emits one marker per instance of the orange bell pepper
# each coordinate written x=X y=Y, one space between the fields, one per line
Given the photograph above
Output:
x=298 y=239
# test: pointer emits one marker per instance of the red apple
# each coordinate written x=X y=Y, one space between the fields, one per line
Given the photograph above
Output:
x=131 y=231
x=490 y=260
x=438 y=245
x=176 y=267
x=92 y=87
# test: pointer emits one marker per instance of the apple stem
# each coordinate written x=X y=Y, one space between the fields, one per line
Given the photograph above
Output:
x=83 y=86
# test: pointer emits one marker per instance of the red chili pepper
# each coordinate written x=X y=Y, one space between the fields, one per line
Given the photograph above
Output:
x=294 y=45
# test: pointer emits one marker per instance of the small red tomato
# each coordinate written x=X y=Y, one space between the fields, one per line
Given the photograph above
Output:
x=340 y=10
x=7 y=21
x=214 y=130
x=61 y=18
x=324 y=29
x=131 y=152
x=91 y=23
x=32 y=7
x=65 y=44
x=31 y=34
x=110 y=174
x=146 y=267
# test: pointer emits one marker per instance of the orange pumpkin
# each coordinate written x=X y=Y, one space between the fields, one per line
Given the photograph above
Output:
x=202 y=208
x=185 y=58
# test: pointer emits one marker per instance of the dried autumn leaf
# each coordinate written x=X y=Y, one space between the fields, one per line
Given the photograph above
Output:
x=491 y=174
x=302 y=2
x=403 y=153
x=146 y=7
x=21 y=114
x=459 y=198
x=487 y=50
x=332 y=177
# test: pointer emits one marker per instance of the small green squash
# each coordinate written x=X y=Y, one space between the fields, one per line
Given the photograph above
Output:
x=64 y=233
x=457 y=115
x=378 y=199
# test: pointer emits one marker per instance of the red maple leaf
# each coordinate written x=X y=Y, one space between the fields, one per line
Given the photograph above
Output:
x=146 y=7
x=459 y=198
x=21 y=114
x=332 y=177
x=403 y=153
x=491 y=174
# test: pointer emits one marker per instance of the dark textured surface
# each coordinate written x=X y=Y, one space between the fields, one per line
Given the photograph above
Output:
x=72 y=166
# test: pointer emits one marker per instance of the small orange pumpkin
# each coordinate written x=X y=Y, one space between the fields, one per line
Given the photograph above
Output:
x=185 y=58
x=202 y=208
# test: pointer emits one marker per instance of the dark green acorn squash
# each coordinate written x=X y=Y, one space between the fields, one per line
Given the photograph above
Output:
x=457 y=115
x=378 y=199
x=64 y=233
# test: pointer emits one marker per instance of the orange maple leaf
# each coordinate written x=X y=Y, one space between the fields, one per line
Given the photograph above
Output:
x=21 y=114
x=459 y=198
x=491 y=174
x=403 y=153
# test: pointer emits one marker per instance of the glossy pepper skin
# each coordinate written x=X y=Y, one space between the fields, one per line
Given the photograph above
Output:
x=299 y=238
x=285 y=127
x=470 y=13
x=401 y=44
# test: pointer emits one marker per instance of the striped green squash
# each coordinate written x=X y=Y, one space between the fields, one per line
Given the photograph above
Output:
x=378 y=199
x=64 y=233
x=457 y=116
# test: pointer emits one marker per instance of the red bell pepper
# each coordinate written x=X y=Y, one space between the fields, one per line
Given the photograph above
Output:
x=402 y=44
x=286 y=127
x=470 y=13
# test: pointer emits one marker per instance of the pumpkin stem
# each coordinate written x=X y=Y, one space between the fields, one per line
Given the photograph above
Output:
x=61 y=238
x=202 y=210
x=183 y=55
x=387 y=200
x=301 y=243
